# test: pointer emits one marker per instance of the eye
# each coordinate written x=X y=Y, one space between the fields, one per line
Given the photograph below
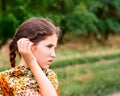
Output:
x=49 y=46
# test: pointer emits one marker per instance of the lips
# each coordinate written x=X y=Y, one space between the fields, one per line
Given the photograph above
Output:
x=50 y=60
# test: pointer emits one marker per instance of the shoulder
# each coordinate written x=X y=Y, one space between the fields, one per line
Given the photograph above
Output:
x=52 y=73
x=54 y=80
x=5 y=74
x=52 y=77
x=5 y=87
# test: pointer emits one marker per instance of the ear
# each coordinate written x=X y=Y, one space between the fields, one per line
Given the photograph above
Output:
x=33 y=48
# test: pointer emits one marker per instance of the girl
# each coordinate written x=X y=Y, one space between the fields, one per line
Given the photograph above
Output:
x=35 y=41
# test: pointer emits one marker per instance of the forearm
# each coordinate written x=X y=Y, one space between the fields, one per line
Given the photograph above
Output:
x=46 y=88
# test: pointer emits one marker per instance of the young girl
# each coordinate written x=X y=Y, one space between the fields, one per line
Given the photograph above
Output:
x=35 y=41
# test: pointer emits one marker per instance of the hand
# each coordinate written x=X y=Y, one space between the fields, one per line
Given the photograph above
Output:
x=24 y=48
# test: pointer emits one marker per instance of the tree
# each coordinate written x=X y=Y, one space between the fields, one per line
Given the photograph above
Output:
x=11 y=18
x=82 y=17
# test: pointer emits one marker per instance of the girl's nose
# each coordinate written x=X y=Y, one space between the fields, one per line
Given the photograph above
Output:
x=52 y=54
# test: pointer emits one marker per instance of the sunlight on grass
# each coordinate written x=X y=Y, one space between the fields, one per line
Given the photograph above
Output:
x=90 y=80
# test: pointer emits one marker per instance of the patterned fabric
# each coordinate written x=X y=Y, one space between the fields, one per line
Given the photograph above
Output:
x=16 y=82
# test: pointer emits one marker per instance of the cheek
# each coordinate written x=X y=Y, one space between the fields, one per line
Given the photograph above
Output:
x=41 y=56
x=40 y=53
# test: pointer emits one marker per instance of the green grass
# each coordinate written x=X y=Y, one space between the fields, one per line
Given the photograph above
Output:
x=102 y=84
x=83 y=60
x=90 y=80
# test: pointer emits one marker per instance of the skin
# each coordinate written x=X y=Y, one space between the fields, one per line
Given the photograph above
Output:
x=44 y=51
x=39 y=57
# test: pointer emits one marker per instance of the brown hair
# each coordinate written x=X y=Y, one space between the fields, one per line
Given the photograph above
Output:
x=35 y=29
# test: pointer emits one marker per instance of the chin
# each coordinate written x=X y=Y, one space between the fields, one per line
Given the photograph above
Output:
x=44 y=68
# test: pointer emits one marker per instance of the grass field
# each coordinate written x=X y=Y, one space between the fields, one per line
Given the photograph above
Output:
x=94 y=72
x=97 y=79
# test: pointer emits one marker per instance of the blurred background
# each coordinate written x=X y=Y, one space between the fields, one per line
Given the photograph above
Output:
x=88 y=52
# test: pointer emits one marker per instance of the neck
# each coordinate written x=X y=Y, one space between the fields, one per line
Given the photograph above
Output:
x=22 y=62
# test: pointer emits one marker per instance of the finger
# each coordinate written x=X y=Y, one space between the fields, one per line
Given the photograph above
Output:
x=22 y=44
x=28 y=45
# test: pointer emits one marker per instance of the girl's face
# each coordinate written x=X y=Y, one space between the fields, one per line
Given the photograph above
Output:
x=44 y=51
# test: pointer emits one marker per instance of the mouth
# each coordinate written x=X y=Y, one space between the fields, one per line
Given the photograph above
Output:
x=50 y=61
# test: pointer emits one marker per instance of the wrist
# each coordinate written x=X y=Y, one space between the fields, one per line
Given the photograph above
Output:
x=34 y=66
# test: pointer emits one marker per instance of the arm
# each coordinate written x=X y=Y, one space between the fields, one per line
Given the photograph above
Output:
x=46 y=88
x=45 y=85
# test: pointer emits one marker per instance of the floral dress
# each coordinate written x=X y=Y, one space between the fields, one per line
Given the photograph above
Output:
x=16 y=81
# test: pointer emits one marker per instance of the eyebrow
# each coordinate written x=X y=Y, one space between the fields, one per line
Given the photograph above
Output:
x=52 y=44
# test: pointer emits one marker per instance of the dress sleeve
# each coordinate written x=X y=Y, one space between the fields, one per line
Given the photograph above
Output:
x=5 y=89
x=54 y=80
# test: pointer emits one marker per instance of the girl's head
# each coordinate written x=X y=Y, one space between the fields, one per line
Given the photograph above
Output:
x=36 y=30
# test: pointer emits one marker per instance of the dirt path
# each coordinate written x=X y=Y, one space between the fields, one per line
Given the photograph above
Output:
x=115 y=94
x=86 y=64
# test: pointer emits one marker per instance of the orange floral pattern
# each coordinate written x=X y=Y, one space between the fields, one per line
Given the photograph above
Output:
x=15 y=81
x=5 y=87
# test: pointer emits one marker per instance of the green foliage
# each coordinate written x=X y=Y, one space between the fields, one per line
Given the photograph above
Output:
x=108 y=13
x=7 y=27
x=11 y=18
x=98 y=17
x=82 y=22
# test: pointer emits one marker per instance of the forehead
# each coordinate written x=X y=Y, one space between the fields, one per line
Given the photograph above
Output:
x=50 y=39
